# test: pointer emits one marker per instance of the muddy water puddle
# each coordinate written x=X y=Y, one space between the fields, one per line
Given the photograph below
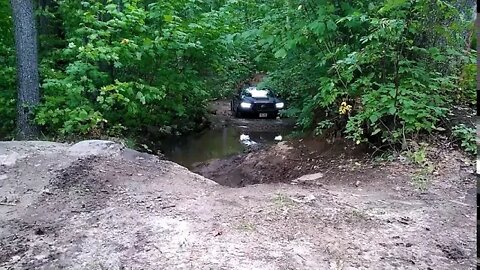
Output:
x=191 y=151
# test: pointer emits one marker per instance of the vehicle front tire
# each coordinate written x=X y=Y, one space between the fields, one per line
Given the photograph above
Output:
x=238 y=114
x=273 y=115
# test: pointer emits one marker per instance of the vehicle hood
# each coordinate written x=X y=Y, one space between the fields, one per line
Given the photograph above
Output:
x=261 y=100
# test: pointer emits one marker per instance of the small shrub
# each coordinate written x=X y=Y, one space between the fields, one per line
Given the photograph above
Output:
x=466 y=136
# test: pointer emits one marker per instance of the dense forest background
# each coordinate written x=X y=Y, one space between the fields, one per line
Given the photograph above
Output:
x=386 y=70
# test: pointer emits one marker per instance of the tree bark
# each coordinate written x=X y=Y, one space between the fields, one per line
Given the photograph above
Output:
x=27 y=67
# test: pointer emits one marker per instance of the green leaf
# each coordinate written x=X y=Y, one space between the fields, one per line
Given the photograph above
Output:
x=331 y=25
x=317 y=27
x=168 y=18
x=393 y=92
x=282 y=53
x=376 y=131
x=141 y=97
x=111 y=7
x=392 y=110
x=290 y=43
x=392 y=4
x=83 y=114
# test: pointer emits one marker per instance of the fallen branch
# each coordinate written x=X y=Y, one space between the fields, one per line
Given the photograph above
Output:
x=301 y=256
x=81 y=211
x=8 y=204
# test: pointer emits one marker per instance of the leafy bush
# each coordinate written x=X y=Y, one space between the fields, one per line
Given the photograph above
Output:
x=7 y=112
x=382 y=71
x=7 y=73
x=390 y=61
x=136 y=68
x=466 y=136
x=467 y=84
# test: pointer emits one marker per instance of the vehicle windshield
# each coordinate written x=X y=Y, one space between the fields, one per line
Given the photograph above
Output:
x=258 y=93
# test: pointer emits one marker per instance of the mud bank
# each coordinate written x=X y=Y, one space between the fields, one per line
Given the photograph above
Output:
x=286 y=161
x=97 y=205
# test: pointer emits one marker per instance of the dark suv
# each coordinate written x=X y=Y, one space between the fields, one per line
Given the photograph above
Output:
x=256 y=102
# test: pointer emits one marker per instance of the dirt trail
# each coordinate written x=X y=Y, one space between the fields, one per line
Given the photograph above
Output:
x=99 y=206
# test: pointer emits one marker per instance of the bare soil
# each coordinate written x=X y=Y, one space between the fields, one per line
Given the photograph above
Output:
x=97 y=205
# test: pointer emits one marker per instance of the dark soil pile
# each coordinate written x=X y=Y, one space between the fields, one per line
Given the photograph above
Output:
x=338 y=160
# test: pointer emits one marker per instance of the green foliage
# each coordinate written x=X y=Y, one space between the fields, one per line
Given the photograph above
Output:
x=421 y=178
x=138 y=65
x=392 y=61
x=466 y=136
x=322 y=126
x=8 y=112
x=130 y=66
x=467 y=92
x=418 y=156
x=382 y=71
x=7 y=73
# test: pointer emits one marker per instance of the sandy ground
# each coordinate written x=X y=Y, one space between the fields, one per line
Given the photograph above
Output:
x=98 y=206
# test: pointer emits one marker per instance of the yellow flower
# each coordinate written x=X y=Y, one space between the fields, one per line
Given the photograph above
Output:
x=125 y=41
x=344 y=108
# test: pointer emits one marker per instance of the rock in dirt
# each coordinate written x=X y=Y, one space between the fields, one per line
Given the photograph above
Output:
x=303 y=198
x=10 y=159
x=94 y=148
x=309 y=178
x=283 y=147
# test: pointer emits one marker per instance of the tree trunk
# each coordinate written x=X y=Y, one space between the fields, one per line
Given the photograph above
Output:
x=27 y=67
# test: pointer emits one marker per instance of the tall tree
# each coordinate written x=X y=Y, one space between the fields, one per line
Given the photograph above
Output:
x=27 y=66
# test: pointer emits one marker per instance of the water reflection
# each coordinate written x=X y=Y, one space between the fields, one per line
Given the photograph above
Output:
x=245 y=139
x=213 y=144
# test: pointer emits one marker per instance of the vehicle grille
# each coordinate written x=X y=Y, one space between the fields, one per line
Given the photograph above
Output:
x=263 y=106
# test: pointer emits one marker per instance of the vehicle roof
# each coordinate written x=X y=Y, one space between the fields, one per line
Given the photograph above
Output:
x=258 y=93
x=254 y=88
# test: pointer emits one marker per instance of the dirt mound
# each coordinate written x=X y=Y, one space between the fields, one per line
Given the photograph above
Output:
x=284 y=162
x=77 y=175
x=130 y=211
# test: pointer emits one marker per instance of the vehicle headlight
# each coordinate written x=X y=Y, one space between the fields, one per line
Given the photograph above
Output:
x=246 y=105
x=279 y=105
